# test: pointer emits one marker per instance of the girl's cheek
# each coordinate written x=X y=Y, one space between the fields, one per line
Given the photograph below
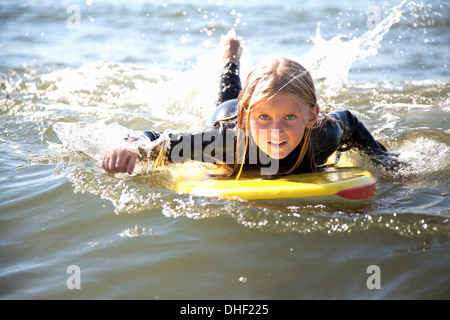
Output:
x=255 y=139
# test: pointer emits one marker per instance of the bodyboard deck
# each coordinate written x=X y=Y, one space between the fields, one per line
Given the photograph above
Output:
x=347 y=182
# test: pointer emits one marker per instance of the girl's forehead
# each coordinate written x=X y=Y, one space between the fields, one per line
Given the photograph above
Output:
x=280 y=102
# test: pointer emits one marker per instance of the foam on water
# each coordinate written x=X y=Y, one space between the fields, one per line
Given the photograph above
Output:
x=423 y=156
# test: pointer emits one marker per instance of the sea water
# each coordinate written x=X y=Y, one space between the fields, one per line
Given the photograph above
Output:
x=68 y=230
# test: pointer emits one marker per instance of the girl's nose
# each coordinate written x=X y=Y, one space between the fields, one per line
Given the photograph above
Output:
x=275 y=132
x=277 y=125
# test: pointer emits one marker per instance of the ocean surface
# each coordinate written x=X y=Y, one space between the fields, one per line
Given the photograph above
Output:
x=70 y=231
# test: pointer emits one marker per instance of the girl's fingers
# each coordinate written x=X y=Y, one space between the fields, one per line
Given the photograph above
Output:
x=131 y=163
x=112 y=163
x=119 y=160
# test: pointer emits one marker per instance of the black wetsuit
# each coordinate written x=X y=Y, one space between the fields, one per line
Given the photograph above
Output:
x=218 y=141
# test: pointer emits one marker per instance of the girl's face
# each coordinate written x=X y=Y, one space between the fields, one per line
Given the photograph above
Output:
x=277 y=126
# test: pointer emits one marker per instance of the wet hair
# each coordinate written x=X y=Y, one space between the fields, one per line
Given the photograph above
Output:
x=276 y=76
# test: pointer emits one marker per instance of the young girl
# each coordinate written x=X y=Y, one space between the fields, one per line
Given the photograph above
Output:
x=273 y=123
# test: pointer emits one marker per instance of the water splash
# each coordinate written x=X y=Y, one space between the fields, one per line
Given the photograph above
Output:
x=329 y=61
x=93 y=140
x=423 y=156
x=108 y=90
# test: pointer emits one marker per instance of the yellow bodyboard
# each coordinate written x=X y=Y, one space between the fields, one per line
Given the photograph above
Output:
x=347 y=182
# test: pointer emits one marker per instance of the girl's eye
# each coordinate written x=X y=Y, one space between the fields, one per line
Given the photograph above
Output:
x=264 y=117
x=291 y=117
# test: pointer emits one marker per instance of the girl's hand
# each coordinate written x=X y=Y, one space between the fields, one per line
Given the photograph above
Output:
x=120 y=160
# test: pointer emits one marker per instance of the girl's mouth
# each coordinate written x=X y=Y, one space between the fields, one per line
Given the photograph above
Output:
x=277 y=144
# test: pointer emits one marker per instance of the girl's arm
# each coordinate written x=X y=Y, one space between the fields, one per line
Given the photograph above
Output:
x=213 y=145
x=355 y=133
x=344 y=132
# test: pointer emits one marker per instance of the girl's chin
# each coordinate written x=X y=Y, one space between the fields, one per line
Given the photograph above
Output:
x=278 y=151
x=277 y=155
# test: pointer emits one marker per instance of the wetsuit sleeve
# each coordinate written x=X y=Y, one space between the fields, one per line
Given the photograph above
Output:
x=354 y=133
x=348 y=132
x=152 y=135
x=213 y=145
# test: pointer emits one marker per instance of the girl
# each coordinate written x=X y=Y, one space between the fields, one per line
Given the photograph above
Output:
x=274 y=124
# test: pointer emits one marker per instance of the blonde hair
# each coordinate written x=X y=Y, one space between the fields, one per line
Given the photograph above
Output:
x=277 y=76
